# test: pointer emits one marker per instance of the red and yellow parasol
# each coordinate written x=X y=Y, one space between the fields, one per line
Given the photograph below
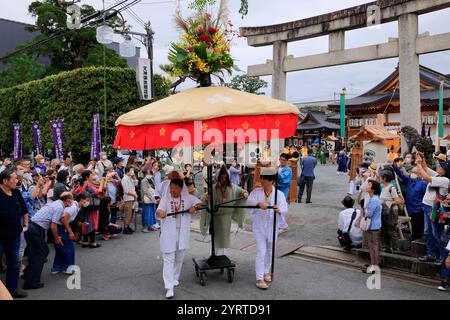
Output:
x=199 y=109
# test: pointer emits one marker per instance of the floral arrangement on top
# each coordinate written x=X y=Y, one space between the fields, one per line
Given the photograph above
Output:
x=204 y=49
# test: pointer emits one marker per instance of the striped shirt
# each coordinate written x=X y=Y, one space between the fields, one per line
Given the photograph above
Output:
x=49 y=213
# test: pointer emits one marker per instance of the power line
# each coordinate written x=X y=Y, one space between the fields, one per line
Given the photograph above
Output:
x=90 y=20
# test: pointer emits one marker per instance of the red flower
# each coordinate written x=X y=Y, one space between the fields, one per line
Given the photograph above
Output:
x=212 y=30
x=207 y=16
x=189 y=49
x=201 y=29
x=205 y=38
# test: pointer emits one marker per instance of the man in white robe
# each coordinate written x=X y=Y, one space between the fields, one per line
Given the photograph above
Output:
x=175 y=231
x=264 y=197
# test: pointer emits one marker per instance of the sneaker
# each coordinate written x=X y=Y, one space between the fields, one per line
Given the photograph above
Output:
x=19 y=294
x=176 y=283
x=443 y=286
x=427 y=258
x=156 y=226
x=69 y=271
x=145 y=230
x=131 y=230
x=169 y=294
x=55 y=271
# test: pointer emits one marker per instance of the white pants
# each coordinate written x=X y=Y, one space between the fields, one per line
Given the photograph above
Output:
x=351 y=187
x=263 y=260
x=283 y=223
x=172 y=267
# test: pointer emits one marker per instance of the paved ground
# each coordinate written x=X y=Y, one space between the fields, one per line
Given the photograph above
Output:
x=131 y=267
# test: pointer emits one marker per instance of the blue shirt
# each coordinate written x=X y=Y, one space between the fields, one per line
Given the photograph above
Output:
x=308 y=164
x=120 y=172
x=40 y=169
x=234 y=175
x=415 y=190
x=112 y=192
x=285 y=178
x=374 y=213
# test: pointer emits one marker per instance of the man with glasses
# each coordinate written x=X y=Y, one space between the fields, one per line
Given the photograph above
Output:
x=284 y=183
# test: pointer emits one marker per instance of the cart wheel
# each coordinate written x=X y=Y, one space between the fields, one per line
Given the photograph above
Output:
x=230 y=275
x=196 y=272
x=202 y=279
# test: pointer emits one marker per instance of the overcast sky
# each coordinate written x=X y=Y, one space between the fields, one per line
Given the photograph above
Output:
x=313 y=85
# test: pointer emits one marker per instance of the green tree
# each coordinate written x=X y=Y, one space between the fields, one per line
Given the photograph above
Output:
x=200 y=5
x=21 y=69
x=71 y=49
x=161 y=86
x=248 y=84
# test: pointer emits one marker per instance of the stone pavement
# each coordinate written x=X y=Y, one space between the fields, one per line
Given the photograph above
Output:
x=130 y=267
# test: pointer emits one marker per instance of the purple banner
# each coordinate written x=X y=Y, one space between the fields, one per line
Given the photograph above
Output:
x=17 y=140
x=58 y=138
x=96 y=138
x=37 y=138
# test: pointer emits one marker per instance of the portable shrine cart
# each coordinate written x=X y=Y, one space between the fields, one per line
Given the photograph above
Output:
x=204 y=116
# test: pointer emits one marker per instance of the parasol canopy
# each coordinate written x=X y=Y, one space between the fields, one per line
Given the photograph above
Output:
x=206 y=112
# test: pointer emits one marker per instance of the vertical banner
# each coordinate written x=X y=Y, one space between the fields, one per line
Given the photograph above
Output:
x=37 y=138
x=96 y=138
x=17 y=141
x=144 y=79
x=342 y=115
x=58 y=138
x=441 y=109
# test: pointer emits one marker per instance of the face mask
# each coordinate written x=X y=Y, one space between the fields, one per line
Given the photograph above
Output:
x=20 y=173
x=95 y=177
x=148 y=177
x=414 y=176
x=104 y=157
x=42 y=161
x=408 y=160
x=86 y=204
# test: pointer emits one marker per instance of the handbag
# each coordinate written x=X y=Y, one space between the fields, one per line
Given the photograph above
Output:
x=344 y=237
x=365 y=223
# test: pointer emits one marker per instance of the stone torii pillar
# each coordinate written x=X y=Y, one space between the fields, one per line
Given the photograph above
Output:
x=279 y=75
x=410 y=103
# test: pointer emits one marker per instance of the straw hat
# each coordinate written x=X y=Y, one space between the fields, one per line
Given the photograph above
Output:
x=167 y=169
x=268 y=172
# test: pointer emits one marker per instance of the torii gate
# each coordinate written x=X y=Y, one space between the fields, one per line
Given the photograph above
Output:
x=408 y=46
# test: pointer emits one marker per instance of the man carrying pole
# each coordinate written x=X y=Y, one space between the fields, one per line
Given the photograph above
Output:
x=175 y=231
x=267 y=202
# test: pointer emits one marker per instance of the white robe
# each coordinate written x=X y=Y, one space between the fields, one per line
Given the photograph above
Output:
x=169 y=231
x=263 y=228
x=263 y=219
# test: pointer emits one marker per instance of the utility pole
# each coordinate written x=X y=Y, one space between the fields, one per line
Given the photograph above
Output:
x=147 y=41
x=149 y=45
